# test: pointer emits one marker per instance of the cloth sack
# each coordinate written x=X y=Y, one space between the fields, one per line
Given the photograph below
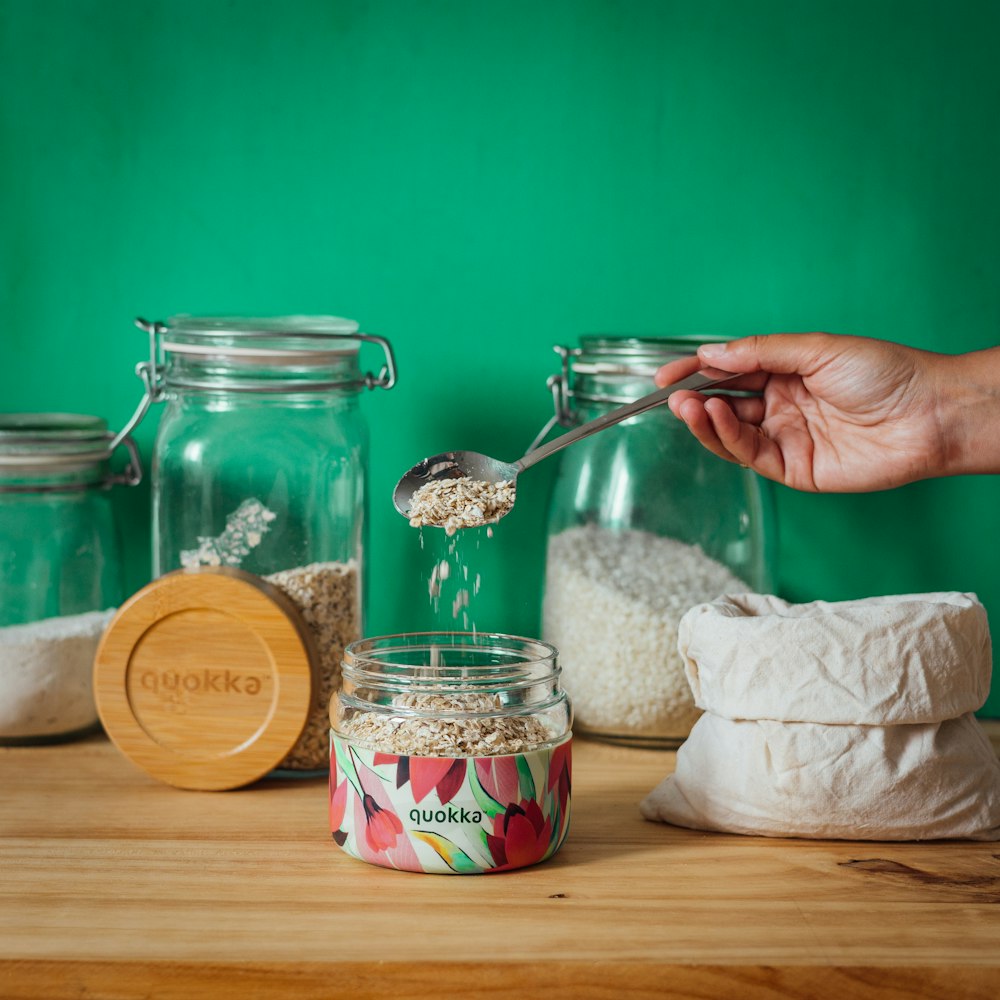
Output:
x=848 y=720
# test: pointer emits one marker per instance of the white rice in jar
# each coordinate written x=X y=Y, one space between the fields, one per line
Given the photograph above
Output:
x=613 y=602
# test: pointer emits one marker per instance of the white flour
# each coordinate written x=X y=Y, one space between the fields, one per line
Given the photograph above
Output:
x=46 y=670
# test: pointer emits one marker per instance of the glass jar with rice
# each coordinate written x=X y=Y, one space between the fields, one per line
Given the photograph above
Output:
x=643 y=523
x=60 y=568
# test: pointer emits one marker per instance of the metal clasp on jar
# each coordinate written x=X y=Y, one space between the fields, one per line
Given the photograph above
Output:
x=559 y=387
x=38 y=447
x=152 y=372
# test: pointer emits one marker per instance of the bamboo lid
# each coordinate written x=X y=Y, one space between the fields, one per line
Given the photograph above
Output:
x=205 y=678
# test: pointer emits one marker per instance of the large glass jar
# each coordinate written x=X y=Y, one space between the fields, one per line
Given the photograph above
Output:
x=643 y=524
x=60 y=569
x=261 y=462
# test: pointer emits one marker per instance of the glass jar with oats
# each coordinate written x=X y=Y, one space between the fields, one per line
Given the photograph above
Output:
x=451 y=753
x=260 y=465
x=643 y=523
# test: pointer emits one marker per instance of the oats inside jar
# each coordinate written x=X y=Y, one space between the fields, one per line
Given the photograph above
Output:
x=459 y=724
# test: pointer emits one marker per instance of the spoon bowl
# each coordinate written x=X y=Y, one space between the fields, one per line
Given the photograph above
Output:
x=451 y=465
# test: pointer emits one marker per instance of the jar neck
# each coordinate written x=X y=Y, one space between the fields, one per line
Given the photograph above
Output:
x=195 y=374
x=606 y=392
x=95 y=477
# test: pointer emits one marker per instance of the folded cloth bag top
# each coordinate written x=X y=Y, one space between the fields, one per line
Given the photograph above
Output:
x=873 y=662
x=848 y=720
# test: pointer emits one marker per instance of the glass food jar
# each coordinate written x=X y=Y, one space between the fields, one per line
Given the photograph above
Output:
x=261 y=462
x=643 y=523
x=60 y=569
x=452 y=753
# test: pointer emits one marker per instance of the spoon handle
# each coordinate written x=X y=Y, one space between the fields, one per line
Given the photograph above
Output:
x=704 y=379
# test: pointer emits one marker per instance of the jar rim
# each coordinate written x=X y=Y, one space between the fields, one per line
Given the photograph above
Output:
x=377 y=649
x=624 y=341
x=608 y=354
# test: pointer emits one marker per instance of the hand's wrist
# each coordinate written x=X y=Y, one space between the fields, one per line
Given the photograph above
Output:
x=968 y=405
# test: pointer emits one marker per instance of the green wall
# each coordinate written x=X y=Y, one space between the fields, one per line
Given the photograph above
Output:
x=480 y=181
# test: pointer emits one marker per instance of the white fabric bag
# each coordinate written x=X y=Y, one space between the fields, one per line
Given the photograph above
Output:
x=848 y=720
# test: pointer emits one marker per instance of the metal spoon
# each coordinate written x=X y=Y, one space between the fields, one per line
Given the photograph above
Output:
x=455 y=464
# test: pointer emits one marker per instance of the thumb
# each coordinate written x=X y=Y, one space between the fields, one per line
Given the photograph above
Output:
x=781 y=353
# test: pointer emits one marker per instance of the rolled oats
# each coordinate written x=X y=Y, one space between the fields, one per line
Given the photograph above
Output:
x=447 y=725
x=327 y=596
x=460 y=503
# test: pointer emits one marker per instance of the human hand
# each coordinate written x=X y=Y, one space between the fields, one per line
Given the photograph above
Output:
x=835 y=413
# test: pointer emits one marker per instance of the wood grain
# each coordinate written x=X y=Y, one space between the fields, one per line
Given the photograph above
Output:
x=205 y=678
x=115 y=885
x=483 y=981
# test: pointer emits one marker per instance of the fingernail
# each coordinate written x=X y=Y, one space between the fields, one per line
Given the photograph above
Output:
x=712 y=350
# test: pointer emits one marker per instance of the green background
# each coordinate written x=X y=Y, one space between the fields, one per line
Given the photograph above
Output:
x=480 y=181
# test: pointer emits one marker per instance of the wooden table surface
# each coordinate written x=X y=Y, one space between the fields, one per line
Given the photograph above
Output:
x=116 y=886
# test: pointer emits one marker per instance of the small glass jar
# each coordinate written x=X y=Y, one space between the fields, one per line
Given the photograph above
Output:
x=261 y=462
x=60 y=569
x=451 y=753
x=643 y=523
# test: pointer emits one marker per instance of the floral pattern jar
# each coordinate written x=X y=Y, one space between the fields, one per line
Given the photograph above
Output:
x=450 y=753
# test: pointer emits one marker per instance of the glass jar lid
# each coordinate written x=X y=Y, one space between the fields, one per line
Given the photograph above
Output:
x=52 y=440
x=604 y=354
x=42 y=452
x=274 y=340
x=611 y=370
x=258 y=354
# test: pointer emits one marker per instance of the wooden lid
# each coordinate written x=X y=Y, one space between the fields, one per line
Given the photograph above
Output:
x=205 y=678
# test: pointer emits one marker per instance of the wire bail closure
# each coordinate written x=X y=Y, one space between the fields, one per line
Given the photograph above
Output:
x=151 y=373
x=559 y=387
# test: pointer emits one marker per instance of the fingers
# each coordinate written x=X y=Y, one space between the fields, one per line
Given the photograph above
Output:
x=674 y=371
x=730 y=428
x=778 y=353
x=694 y=413
x=747 y=408
x=745 y=443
